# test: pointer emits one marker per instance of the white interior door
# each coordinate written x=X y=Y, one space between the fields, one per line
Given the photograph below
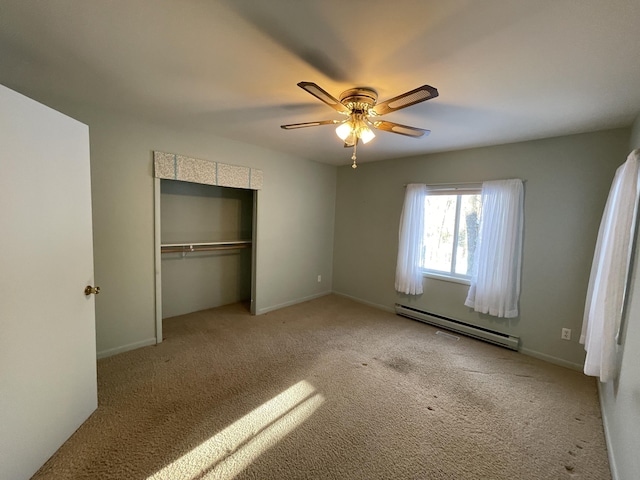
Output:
x=47 y=324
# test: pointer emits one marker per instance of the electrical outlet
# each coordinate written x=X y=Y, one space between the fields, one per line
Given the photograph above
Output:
x=566 y=334
x=319 y=278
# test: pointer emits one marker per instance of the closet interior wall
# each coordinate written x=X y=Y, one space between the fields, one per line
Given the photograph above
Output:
x=194 y=213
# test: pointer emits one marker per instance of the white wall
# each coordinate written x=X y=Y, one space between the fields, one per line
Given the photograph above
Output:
x=620 y=400
x=294 y=230
x=567 y=181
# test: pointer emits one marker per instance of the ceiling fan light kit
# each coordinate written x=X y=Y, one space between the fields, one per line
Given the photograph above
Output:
x=360 y=105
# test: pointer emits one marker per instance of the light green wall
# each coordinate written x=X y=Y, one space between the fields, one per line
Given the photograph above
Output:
x=300 y=206
x=192 y=213
x=567 y=181
x=635 y=134
x=295 y=219
x=620 y=400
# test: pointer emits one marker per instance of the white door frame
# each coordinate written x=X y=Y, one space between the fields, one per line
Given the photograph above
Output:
x=158 y=253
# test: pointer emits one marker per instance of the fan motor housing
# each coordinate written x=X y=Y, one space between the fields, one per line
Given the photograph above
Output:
x=359 y=98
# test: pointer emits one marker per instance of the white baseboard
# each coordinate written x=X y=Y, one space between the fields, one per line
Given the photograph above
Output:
x=526 y=351
x=260 y=311
x=125 y=348
x=152 y=341
x=552 y=359
x=364 y=302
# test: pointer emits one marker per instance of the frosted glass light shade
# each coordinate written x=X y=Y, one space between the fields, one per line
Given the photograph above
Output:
x=349 y=130
x=343 y=130
x=366 y=135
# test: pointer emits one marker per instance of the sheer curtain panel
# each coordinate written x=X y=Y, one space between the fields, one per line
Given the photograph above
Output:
x=411 y=237
x=495 y=284
x=611 y=263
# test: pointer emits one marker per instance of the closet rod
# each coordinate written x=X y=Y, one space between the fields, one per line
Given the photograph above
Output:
x=207 y=244
x=201 y=249
x=185 y=248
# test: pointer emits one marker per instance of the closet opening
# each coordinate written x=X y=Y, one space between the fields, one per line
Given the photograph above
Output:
x=206 y=248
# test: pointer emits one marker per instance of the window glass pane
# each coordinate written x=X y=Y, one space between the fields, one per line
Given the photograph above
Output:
x=440 y=217
x=468 y=229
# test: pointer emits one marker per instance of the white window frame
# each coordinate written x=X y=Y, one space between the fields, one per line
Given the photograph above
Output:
x=454 y=189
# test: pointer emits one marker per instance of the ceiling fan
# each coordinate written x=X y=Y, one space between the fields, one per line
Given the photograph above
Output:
x=361 y=108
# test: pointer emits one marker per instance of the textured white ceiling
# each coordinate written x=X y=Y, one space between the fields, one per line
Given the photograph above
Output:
x=506 y=70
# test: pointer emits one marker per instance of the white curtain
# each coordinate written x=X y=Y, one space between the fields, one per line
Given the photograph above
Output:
x=410 y=248
x=605 y=295
x=495 y=284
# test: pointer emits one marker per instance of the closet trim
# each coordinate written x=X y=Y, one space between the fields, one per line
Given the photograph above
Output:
x=171 y=166
x=158 y=259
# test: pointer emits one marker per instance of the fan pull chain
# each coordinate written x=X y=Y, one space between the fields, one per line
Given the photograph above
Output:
x=353 y=157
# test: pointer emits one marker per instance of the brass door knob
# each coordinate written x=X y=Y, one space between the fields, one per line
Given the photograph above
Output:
x=89 y=290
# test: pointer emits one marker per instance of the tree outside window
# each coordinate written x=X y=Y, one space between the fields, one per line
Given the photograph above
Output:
x=452 y=224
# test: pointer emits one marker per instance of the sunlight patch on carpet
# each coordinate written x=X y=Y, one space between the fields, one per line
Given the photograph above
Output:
x=226 y=454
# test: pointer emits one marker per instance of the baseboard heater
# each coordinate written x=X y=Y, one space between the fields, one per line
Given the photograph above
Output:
x=497 y=338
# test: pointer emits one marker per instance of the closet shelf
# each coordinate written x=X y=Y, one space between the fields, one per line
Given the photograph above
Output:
x=185 y=248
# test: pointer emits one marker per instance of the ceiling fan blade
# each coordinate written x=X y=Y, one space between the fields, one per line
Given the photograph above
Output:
x=324 y=96
x=420 y=94
x=401 y=129
x=292 y=126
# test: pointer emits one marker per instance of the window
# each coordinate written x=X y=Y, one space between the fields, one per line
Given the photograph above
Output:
x=450 y=232
x=451 y=227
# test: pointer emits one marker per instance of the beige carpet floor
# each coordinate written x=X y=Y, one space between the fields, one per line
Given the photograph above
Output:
x=332 y=389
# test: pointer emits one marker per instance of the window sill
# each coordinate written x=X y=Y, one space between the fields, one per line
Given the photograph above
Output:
x=446 y=278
